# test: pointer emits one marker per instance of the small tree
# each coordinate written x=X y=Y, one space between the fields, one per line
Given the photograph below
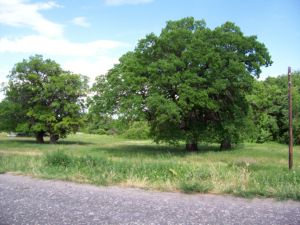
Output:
x=190 y=82
x=50 y=99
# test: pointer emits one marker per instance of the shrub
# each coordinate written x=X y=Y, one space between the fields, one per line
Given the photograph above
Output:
x=138 y=130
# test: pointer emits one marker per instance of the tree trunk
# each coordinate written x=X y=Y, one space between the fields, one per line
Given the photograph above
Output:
x=39 y=137
x=53 y=138
x=225 y=145
x=191 y=146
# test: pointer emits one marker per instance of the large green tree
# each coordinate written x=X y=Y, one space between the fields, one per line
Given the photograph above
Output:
x=49 y=100
x=189 y=82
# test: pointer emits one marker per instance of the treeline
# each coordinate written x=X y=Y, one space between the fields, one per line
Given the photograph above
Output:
x=189 y=83
x=269 y=109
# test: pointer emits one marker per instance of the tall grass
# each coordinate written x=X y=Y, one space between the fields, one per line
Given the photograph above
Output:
x=249 y=170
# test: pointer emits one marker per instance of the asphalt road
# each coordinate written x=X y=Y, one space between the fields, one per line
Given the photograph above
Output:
x=25 y=200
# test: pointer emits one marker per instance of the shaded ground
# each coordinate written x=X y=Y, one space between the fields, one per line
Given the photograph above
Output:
x=24 y=200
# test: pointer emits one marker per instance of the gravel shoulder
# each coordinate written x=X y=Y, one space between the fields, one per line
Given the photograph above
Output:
x=25 y=200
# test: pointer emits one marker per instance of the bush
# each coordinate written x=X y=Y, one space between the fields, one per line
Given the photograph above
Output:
x=138 y=130
x=99 y=131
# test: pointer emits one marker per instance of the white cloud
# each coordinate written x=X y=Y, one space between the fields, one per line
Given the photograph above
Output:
x=56 y=46
x=48 y=5
x=20 y=13
x=80 y=21
x=91 y=68
x=89 y=58
x=126 y=2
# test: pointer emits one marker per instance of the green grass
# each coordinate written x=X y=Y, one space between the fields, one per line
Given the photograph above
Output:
x=249 y=170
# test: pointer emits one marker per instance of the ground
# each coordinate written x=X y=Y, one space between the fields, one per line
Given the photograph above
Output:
x=24 y=200
x=249 y=170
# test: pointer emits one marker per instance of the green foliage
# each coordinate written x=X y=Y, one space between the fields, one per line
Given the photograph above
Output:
x=96 y=123
x=190 y=82
x=49 y=99
x=138 y=130
x=11 y=116
x=269 y=105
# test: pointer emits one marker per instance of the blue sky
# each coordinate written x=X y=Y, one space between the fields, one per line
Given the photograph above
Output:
x=89 y=36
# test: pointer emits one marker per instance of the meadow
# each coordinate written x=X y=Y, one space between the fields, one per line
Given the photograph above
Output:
x=249 y=170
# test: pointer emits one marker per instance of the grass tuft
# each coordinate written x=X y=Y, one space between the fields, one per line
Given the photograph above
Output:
x=195 y=187
x=58 y=158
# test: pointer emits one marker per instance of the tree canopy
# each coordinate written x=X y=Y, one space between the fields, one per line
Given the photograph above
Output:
x=269 y=106
x=190 y=82
x=41 y=99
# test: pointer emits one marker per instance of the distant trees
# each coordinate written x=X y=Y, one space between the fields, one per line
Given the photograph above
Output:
x=11 y=115
x=41 y=99
x=189 y=83
x=269 y=106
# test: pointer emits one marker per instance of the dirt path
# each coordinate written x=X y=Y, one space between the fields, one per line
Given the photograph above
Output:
x=24 y=200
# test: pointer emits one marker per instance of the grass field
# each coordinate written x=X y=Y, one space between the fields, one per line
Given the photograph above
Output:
x=249 y=170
